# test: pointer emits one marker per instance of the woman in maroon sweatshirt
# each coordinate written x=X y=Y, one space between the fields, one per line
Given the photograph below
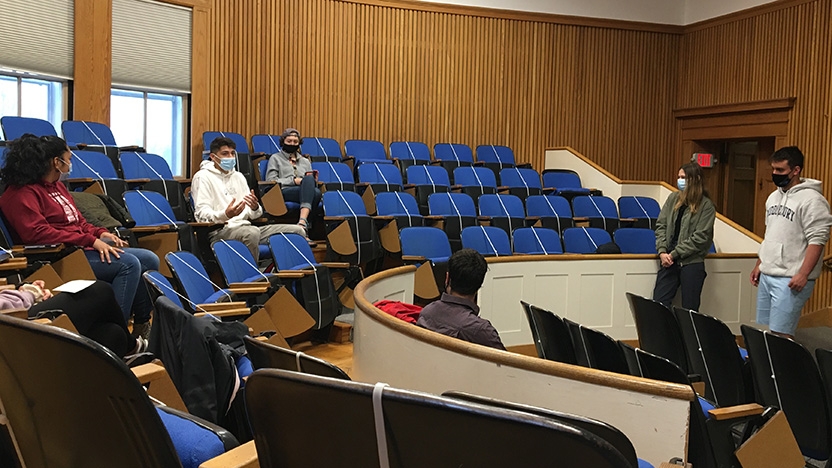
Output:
x=40 y=210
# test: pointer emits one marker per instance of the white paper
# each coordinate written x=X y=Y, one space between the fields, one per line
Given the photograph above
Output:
x=74 y=286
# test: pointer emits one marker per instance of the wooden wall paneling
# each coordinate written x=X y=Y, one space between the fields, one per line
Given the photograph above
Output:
x=781 y=52
x=386 y=72
x=93 y=58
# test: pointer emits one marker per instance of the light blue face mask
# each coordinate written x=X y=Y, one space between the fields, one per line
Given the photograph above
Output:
x=681 y=182
x=227 y=164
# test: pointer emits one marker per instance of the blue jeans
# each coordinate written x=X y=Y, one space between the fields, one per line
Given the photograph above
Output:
x=307 y=193
x=125 y=275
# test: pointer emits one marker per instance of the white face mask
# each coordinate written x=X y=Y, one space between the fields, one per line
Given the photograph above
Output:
x=681 y=183
x=68 y=165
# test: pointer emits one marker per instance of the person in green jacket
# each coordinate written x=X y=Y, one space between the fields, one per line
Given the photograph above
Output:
x=684 y=234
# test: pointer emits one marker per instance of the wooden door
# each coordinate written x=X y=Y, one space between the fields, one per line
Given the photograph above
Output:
x=741 y=183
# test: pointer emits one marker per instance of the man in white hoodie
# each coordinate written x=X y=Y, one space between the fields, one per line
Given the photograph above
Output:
x=221 y=195
x=797 y=228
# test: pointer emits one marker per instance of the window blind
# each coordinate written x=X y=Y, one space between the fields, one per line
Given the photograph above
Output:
x=151 y=45
x=37 y=36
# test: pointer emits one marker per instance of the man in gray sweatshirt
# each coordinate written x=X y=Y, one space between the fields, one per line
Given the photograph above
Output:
x=797 y=228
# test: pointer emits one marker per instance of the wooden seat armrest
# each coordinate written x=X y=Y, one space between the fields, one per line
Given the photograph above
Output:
x=223 y=309
x=182 y=180
x=226 y=313
x=293 y=274
x=221 y=305
x=408 y=186
x=242 y=456
x=266 y=183
x=383 y=218
x=20 y=313
x=479 y=163
x=362 y=184
x=483 y=218
x=131 y=148
x=336 y=265
x=334 y=218
x=255 y=156
x=549 y=189
x=733 y=412
x=37 y=249
x=580 y=218
x=348 y=158
x=249 y=288
x=503 y=188
x=147 y=373
x=626 y=220
x=14 y=264
x=436 y=162
x=434 y=217
x=146 y=229
x=137 y=181
x=413 y=258
x=533 y=218
x=81 y=180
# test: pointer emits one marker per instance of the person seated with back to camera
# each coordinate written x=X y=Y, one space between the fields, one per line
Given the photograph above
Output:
x=40 y=210
x=221 y=195
x=456 y=313
x=293 y=172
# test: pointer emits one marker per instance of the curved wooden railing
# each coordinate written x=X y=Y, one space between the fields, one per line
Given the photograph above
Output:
x=582 y=374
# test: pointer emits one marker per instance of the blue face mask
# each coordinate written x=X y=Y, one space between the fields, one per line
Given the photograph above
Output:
x=681 y=183
x=227 y=164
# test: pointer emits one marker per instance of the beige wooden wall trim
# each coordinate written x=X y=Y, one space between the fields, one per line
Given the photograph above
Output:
x=93 y=57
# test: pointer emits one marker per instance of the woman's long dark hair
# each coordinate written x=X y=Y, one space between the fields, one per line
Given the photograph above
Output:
x=28 y=158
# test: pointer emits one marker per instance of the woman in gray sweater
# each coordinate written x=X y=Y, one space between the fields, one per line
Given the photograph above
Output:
x=293 y=172
x=684 y=233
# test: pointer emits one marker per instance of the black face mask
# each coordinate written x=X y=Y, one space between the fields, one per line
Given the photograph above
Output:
x=781 y=180
x=290 y=148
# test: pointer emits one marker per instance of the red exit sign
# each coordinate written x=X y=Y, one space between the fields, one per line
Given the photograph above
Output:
x=704 y=159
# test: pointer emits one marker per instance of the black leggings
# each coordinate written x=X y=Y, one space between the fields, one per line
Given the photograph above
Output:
x=95 y=314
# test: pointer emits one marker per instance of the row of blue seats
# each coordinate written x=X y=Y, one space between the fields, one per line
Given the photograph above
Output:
x=370 y=150
x=98 y=134
x=552 y=210
x=385 y=177
x=433 y=244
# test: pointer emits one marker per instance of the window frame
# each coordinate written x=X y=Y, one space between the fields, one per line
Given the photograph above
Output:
x=54 y=116
x=183 y=111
